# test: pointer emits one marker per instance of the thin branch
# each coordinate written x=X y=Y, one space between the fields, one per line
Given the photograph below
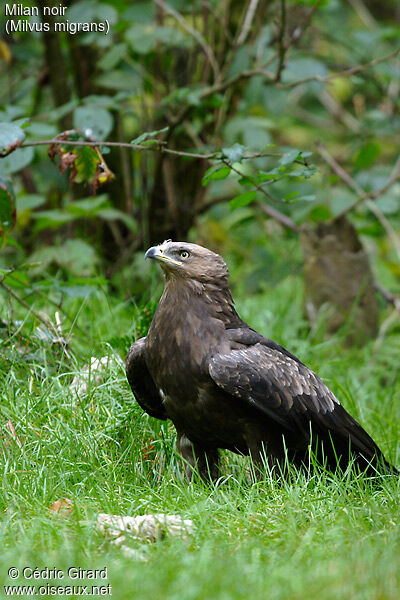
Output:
x=258 y=186
x=208 y=51
x=364 y=196
x=386 y=225
x=278 y=216
x=394 y=176
x=363 y=13
x=394 y=315
x=265 y=208
x=224 y=30
x=388 y=296
x=281 y=41
x=218 y=87
x=224 y=85
x=271 y=212
x=344 y=176
x=336 y=168
x=24 y=304
x=336 y=109
x=205 y=206
x=268 y=210
x=247 y=21
x=46 y=297
x=300 y=29
x=344 y=73
x=159 y=147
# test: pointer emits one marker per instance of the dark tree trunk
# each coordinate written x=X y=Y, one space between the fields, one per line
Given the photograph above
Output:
x=56 y=64
x=338 y=276
x=176 y=193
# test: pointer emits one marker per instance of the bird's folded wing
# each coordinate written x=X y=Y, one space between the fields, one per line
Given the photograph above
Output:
x=282 y=388
x=142 y=383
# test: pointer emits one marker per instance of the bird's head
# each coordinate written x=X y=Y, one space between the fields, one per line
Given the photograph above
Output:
x=180 y=259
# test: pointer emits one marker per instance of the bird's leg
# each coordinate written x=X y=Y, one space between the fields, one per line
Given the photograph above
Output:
x=199 y=459
x=266 y=456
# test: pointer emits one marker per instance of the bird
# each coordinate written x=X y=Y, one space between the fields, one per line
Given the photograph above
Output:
x=226 y=386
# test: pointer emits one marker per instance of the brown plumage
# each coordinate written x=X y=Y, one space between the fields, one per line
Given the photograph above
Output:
x=226 y=386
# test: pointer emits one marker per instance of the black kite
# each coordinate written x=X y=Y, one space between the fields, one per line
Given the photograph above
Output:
x=224 y=385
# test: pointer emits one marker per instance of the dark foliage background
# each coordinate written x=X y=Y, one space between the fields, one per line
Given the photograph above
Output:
x=269 y=132
x=305 y=83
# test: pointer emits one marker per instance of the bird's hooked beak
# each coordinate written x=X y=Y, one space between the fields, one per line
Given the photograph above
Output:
x=151 y=252
x=160 y=254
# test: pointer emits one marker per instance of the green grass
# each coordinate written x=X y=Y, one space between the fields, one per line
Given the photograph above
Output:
x=318 y=537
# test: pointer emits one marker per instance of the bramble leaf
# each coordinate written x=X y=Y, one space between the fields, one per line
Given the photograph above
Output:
x=11 y=136
x=234 y=154
x=86 y=163
x=289 y=157
x=215 y=173
x=243 y=199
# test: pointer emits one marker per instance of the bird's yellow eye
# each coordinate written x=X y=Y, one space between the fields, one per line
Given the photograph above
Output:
x=184 y=254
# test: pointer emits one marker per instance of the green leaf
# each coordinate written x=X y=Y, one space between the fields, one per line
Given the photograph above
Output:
x=88 y=281
x=302 y=67
x=234 y=154
x=243 y=199
x=389 y=203
x=86 y=164
x=307 y=198
x=215 y=173
x=19 y=159
x=113 y=214
x=147 y=135
x=146 y=38
x=252 y=131
x=79 y=257
x=187 y=95
x=51 y=218
x=11 y=136
x=77 y=291
x=367 y=155
x=88 y=207
x=290 y=196
x=141 y=38
x=268 y=175
x=29 y=202
x=53 y=215
x=120 y=79
x=87 y=11
x=93 y=121
x=137 y=12
x=7 y=207
x=76 y=256
x=82 y=287
x=42 y=130
x=289 y=157
x=303 y=172
x=17 y=279
x=112 y=57
x=320 y=213
x=247 y=181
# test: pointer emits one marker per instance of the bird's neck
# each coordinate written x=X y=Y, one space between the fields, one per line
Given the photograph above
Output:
x=189 y=325
x=205 y=299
